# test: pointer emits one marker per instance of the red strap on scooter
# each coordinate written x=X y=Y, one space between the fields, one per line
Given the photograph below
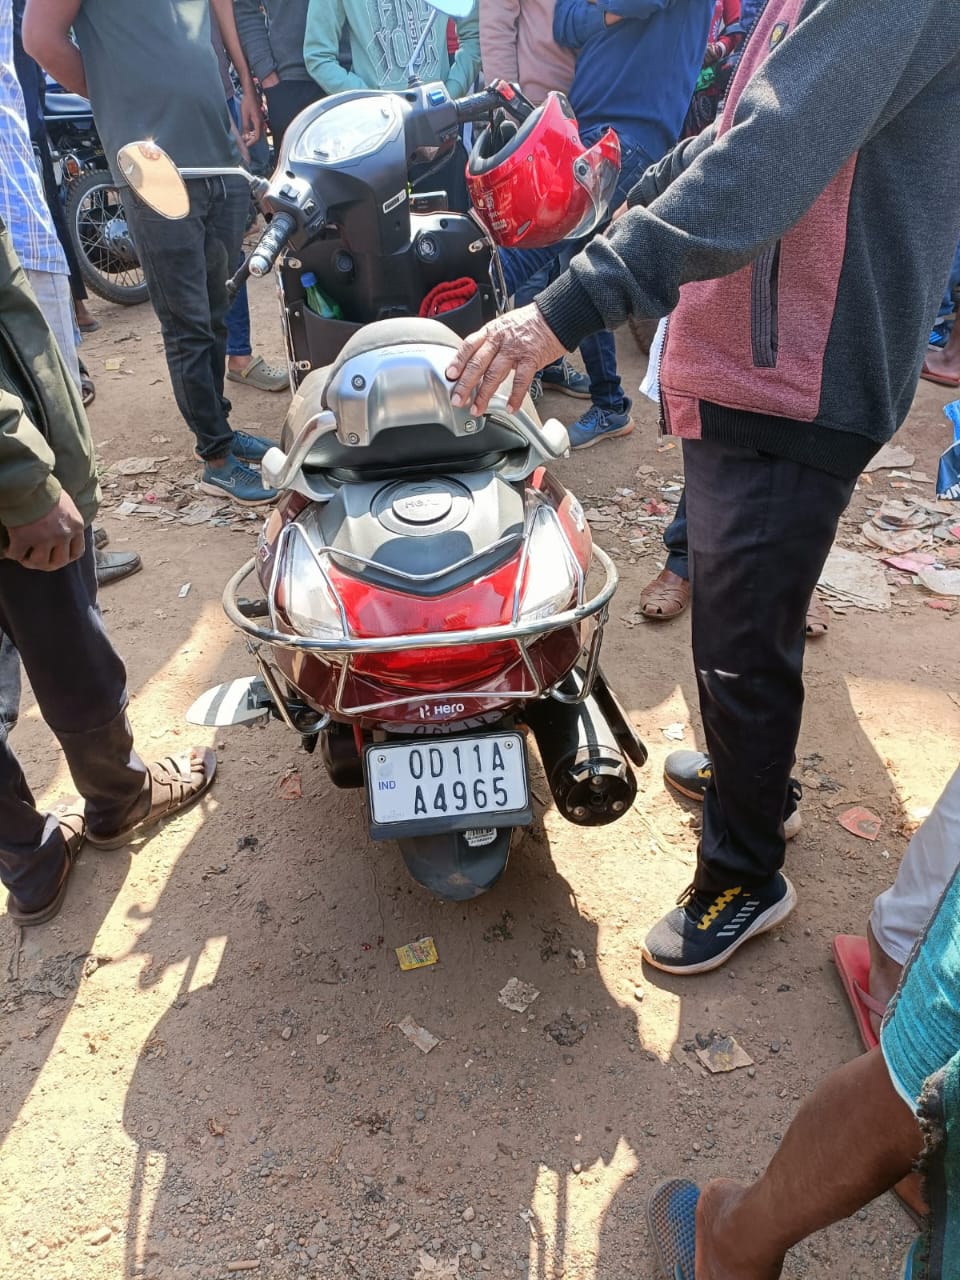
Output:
x=448 y=296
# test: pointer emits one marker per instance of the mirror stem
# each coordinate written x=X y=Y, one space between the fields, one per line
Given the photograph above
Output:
x=412 y=78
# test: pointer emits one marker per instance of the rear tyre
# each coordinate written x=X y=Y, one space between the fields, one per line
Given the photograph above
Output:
x=98 y=228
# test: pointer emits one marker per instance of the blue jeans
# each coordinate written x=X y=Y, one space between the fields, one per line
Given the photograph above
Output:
x=238 y=322
x=599 y=351
x=186 y=263
x=79 y=683
x=675 y=540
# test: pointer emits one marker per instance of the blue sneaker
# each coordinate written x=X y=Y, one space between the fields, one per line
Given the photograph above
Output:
x=600 y=424
x=250 y=448
x=704 y=930
x=562 y=376
x=236 y=481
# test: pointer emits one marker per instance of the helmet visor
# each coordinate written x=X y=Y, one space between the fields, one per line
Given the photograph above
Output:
x=596 y=173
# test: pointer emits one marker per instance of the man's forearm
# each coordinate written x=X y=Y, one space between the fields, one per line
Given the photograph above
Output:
x=223 y=12
x=46 y=37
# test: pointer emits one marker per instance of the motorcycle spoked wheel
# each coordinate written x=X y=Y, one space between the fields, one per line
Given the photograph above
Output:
x=108 y=261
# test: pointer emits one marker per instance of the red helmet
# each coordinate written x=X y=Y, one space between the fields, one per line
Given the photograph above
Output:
x=542 y=185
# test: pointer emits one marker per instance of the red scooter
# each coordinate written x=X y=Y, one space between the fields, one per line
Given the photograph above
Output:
x=428 y=595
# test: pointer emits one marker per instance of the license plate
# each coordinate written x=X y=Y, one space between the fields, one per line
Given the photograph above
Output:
x=443 y=783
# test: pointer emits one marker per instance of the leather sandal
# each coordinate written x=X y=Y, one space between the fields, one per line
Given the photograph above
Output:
x=818 y=619
x=73 y=827
x=171 y=785
x=665 y=597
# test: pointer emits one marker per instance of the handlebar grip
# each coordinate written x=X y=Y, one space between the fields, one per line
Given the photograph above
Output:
x=271 y=244
x=476 y=105
x=499 y=96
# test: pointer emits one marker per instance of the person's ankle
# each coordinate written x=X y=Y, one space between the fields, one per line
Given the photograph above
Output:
x=239 y=362
x=217 y=462
x=885 y=974
x=724 y=1250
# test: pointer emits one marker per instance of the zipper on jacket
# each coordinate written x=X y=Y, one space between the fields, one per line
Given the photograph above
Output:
x=764 y=307
x=662 y=418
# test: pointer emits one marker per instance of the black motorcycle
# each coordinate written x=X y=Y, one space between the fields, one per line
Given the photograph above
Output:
x=95 y=218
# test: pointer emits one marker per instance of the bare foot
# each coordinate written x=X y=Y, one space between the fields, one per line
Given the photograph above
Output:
x=884 y=976
x=85 y=320
x=725 y=1250
x=946 y=361
x=237 y=364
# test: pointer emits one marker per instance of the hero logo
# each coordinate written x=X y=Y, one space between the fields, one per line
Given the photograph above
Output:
x=441 y=710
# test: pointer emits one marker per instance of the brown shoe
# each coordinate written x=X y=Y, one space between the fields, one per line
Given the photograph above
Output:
x=665 y=597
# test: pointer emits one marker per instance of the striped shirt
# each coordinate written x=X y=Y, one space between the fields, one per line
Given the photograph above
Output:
x=23 y=206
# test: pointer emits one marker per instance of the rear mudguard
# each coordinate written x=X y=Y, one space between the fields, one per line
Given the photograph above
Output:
x=458 y=865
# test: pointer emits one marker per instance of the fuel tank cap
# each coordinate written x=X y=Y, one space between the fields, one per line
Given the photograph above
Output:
x=422 y=507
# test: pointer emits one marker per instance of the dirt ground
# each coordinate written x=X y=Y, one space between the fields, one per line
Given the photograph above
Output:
x=201 y=1072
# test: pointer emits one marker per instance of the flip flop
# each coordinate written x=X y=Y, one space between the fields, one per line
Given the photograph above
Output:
x=852 y=958
x=672 y=1223
x=941 y=379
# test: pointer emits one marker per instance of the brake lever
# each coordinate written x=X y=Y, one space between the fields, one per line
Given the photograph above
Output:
x=238 y=279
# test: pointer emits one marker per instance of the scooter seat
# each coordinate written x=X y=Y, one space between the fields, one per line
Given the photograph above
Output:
x=66 y=104
x=389 y=392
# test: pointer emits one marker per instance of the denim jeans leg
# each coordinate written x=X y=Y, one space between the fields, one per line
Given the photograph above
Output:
x=520 y=266
x=79 y=683
x=227 y=218
x=760 y=529
x=599 y=353
x=185 y=263
x=238 y=323
x=675 y=541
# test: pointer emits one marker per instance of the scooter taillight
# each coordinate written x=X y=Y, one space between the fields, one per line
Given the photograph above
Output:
x=437 y=668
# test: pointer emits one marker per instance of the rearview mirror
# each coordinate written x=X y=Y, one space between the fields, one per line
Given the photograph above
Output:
x=154 y=177
x=454 y=8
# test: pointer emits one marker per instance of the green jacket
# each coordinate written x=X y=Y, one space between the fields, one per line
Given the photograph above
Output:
x=45 y=442
x=383 y=34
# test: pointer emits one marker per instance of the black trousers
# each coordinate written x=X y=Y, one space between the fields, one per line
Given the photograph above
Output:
x=79 y=682
x=285 y=101
x=759 y=531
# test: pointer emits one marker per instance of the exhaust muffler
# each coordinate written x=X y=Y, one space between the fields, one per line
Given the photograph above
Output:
x=587 y=748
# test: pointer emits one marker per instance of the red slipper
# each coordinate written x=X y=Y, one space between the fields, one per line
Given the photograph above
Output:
x=852 y=958
x=941 y=379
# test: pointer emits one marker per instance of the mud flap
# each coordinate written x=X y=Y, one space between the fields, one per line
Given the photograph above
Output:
x=245 y=701
x=458 y=865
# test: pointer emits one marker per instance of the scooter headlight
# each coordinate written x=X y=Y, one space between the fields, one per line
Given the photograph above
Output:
x=347 y=132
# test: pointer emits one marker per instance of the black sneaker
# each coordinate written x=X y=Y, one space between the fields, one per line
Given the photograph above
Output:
x=691 y=773
x=704 y=930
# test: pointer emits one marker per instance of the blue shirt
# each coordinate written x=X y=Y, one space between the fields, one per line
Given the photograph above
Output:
x=636 y=75
x=23 y=206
